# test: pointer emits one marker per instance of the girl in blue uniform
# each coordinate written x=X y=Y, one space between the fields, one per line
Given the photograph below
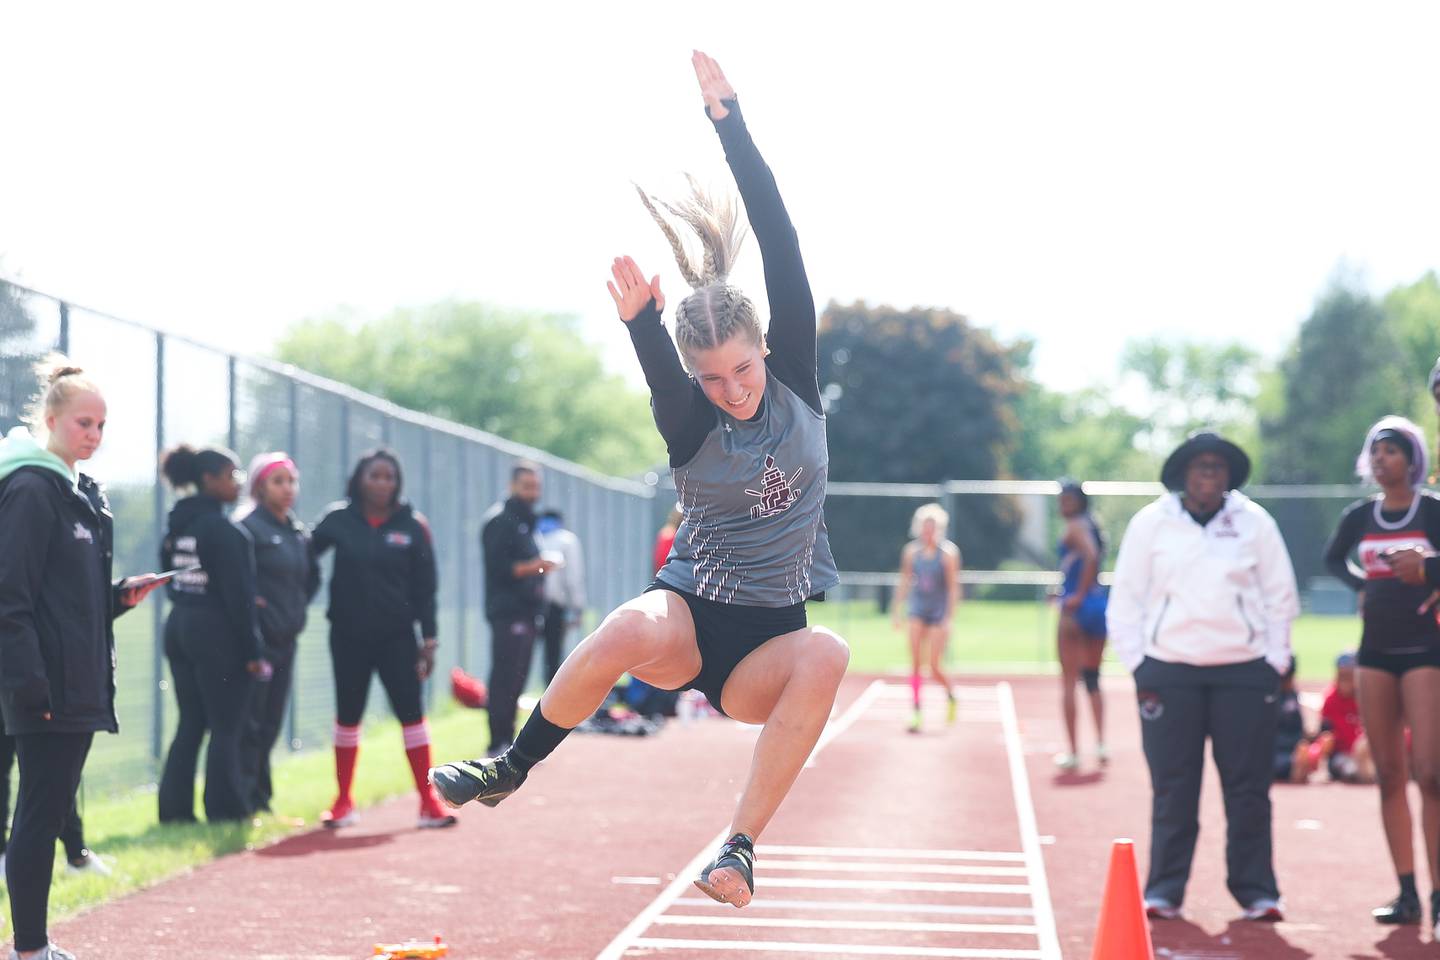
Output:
x=1081 y=637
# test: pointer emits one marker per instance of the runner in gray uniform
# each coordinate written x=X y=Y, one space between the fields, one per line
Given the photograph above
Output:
x=745 y=432
x=929 y=589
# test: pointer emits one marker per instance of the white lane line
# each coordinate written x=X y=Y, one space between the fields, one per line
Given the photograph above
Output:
x=928 y=886
x=863 y=906
x=888 y=853
x=686 y=877
x=840 y=866
x=1029 y=833
x=908 y=926
x=837 y=949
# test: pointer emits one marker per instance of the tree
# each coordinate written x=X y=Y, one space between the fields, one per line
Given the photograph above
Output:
x=17 y=356
x=528 y=377
x=917 y=396
x=1191 y=384
x=1414 y=314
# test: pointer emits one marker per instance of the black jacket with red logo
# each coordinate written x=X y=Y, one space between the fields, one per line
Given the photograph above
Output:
x=385 y=578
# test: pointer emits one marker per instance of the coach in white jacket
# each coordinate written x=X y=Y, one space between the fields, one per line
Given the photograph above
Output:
x=1200 y=611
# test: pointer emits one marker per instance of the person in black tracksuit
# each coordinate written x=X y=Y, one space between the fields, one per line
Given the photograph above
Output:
x=383 y=585
x=287 y=577
x=72 y=832
x=514 y=596
x=212 y=637
x=57 y=642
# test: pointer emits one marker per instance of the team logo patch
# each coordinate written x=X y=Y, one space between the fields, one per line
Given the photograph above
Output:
x=1150 y=706
x=82 y=532
x=1227 y=527
x=776 y=493
x=397 y=539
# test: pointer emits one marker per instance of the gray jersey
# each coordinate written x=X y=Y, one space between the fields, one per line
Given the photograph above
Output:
x=753 y=499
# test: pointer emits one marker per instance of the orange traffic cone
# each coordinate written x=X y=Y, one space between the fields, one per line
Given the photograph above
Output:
x=1123 y=932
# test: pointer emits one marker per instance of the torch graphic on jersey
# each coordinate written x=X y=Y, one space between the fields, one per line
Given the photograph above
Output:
x=776 y=493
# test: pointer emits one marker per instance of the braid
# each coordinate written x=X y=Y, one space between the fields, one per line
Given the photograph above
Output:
x=681 y=257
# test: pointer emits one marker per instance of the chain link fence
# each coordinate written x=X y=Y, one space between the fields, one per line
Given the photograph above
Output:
x=163 y=389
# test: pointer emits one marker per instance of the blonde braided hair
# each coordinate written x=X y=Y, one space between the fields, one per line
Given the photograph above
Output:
x=717 y=310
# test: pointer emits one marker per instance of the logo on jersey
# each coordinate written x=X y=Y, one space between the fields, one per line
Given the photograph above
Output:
x=397 y=539
x=83 y=533
x=1226 y=527
x=776 y=493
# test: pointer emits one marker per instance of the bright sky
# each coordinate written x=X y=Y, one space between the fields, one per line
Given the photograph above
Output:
x=1078 y=173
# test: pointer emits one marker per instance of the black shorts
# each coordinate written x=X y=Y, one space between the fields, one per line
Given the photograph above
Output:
x=1398 y=663
x=727 y=633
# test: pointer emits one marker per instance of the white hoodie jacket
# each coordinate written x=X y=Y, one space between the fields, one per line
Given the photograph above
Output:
x=1206 y=596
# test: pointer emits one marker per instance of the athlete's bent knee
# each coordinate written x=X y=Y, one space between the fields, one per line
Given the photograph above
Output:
x=825 y=650
x=1390 y=780
x=1428 y=777
x=1091 y=678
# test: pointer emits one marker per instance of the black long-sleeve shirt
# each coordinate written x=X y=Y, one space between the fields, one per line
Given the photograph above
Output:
x=683 y=414
x=225 y=583
x=287 y=573
x=385 y=577
x=507 y=537
x=1392 y=619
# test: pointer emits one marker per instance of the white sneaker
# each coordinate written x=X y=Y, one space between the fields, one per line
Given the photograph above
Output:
x=1066 y=762
x=1265 y=910
x=92 y=863
x=1157 y=908
x=51 y=952
x=436 y=822
x=1102 y=754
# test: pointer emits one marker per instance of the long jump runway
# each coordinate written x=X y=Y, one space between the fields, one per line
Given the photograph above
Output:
x=891 y=845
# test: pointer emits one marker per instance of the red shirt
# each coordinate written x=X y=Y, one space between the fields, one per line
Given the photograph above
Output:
x=1342 y=714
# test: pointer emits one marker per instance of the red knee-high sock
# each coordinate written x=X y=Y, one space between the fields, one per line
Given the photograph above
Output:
x=915 y=688
x=417 y=751
x=347 y=747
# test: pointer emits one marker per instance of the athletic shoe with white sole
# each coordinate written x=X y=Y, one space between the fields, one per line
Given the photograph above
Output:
x=730 y=877
x=1265 y=910
x=1404 y=909
x=341 y=814
x=488 y=781
x=917 y=720
x=1102 y=754
x=91 y=862
x=1158 y=908
x=51 y=952
x=1066 y=762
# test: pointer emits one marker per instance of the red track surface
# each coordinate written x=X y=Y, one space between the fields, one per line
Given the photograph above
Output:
x=563 y=867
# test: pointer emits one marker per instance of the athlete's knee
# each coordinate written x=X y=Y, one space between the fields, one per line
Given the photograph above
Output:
x=1091 y=678
x=1390 y=778
x=826 y=651
x=1427 y=776
x=626 y=637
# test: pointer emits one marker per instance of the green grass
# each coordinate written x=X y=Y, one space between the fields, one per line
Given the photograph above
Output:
x=990 y=636
x=999 y=636
x=124 y=827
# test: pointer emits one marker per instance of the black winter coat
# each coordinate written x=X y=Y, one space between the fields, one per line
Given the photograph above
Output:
x=57 y=604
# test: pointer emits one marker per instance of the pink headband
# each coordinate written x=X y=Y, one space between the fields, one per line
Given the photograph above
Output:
x=258 y=474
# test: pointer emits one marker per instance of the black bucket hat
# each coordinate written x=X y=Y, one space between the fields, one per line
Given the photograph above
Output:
x=1204 y=441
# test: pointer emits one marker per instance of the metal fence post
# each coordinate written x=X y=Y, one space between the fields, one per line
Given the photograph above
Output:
x=157 y=688
x=463 y=552
x=64 y=344
x=230 y=432
x=344 y=437
x=293 y=448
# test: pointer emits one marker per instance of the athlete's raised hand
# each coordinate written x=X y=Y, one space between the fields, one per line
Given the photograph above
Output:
x=713 y=85
x=630 y=291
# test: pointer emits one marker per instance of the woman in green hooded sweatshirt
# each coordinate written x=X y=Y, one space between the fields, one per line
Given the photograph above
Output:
x=57 y=604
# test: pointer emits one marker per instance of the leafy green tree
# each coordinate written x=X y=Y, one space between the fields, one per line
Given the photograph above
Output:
x=1191 y=384
x=528 y=377
x=1414 y=313
x=917 y=396
x=17 y=356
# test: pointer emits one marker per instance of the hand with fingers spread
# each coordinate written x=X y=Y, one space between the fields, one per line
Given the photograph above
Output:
x=630 y=291
x=713 y=85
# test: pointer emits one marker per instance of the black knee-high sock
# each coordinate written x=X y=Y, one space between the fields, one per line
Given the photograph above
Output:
x=1407 y=886
x=536 y=740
